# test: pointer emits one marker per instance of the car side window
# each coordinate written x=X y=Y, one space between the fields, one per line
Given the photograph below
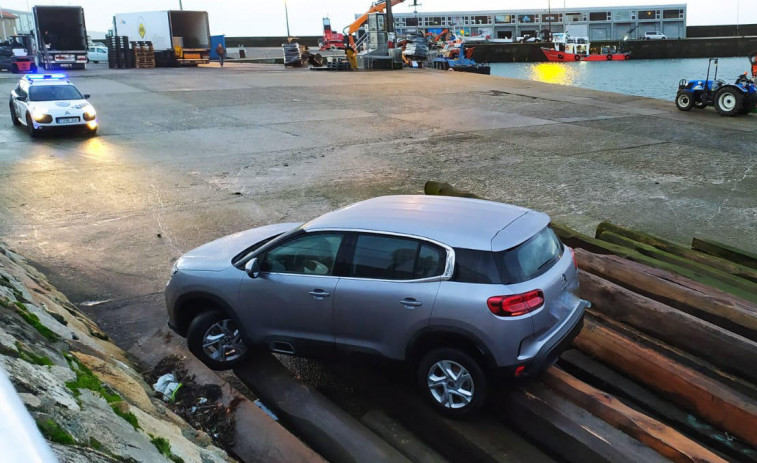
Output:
x=395 y=258
x=311 y=254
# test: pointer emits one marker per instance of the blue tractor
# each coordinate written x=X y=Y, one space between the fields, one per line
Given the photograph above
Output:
x=728 y=99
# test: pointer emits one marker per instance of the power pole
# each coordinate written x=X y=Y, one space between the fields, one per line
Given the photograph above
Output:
x=181 y=7
x=389 y=17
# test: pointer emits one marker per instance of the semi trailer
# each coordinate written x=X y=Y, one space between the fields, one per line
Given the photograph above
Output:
x=61 y=36
x=179 y=38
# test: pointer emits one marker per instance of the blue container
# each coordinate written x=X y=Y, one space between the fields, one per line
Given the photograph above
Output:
x=214 y=41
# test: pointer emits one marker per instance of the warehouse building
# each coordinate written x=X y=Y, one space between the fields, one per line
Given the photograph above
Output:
x=598 y=23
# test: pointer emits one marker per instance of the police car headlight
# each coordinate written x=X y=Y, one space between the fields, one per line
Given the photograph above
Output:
x=42 y=117
x=89 y=113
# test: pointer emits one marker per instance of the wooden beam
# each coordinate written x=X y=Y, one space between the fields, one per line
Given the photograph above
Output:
x=691 y=390
x=680 y=251
x=718 y=307
x=445 y=189
x=721 y=347
x=713 y=248
x=661 y=259
x=567 y=430
x=591 y=371
x=664 y=439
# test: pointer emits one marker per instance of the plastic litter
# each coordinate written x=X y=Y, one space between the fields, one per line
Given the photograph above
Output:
x=168 y=386
x=267 y=411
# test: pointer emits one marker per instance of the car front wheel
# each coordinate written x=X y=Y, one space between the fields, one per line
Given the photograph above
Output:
x=14 y=117
x=216 y=340
x=30 y=127
x=453 y=382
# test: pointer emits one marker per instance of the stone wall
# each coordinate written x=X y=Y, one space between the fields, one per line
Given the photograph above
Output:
x=85 y=395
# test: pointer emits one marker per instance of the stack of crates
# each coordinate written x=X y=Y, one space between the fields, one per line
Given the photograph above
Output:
x=118 y=52
x=144 y=55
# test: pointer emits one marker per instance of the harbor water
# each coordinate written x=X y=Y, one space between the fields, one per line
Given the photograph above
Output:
x=648 y=78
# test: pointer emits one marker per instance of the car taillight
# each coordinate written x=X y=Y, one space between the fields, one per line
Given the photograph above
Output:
x=519 y=304
x=573 y=254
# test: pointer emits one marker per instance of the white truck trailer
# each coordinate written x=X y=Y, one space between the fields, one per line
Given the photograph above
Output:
x=61 y=36
x=179 y=38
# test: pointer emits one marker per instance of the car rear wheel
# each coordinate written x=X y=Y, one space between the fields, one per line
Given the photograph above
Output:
x=453 y=382
x=216 y=340
x=14 y=117
x=684 y=102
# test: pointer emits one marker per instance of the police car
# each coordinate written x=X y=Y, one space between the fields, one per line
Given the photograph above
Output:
x=42 y=102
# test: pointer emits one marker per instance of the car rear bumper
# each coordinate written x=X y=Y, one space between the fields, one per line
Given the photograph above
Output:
x=550 y=351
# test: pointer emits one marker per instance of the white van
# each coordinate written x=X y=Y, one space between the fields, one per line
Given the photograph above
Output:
x=654 y=35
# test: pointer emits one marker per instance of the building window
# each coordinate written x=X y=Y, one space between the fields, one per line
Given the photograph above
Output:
x=504 y=18
x=411 y=22
x=546 y=18
x=481 y=20
x=526 y=18
x=647 y=14
x=672 y=14
x=435 y=21
x=572 y=17
x=598 y=16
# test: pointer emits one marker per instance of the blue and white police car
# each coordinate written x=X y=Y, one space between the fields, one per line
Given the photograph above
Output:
x=42 y=102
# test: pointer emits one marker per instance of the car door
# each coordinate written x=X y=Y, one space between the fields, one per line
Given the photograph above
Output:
x=387 y=293
x=289 y=306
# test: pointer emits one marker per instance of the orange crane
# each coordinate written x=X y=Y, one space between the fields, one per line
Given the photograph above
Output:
x=376 y=8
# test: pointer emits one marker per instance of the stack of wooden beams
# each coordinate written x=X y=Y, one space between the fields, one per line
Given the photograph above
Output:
x=667 y=356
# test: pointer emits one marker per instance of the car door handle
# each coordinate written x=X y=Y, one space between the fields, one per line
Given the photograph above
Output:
x=319 y=294
x=410 y=303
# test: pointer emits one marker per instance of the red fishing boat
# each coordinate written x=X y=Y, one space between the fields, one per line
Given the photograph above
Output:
x=568 y=49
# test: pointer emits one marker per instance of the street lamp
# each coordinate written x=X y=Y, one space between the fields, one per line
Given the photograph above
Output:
x=286 y=14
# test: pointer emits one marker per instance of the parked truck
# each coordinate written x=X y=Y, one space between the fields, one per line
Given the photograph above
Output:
x=61 y=36
x=179 y=38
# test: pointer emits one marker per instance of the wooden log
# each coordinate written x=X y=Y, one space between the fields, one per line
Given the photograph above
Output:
x=718 y=307
x=567 y=430
x=445 y=189
x=713 y=248
x=721 y=280
x=589 y=370
x=678 y=355
x=680 y=251
x=721 y=347
x=326 y=428
x=691 y=390
x=577 y=240
x=662 y=438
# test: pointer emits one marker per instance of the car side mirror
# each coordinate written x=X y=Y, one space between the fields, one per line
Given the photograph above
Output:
x=86 y=96
x=252 y=268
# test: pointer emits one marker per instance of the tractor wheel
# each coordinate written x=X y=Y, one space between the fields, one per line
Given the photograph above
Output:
x=729 y=101
x=684 y=101
x=14 y=68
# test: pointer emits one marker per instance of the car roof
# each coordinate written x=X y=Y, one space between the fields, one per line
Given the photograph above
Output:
x=38 y=80
x=456 y=222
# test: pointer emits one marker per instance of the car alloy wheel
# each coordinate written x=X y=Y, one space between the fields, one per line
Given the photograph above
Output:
x=453 y=382
x=450 y=384
x=222 y=342
x=216 y=340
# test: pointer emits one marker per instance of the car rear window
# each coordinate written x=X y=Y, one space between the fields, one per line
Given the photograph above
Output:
x=531 y=258
x=54 y=93
x=395 y=258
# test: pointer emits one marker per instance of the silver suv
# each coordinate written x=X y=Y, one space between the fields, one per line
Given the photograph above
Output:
x=464 y=290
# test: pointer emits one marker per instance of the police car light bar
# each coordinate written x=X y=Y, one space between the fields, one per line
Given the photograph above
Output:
x=32 y=77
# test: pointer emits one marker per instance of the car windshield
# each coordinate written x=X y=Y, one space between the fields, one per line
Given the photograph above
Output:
x=54 y=93
x=531 y=258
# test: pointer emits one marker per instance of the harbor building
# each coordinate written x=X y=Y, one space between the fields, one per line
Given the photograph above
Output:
x=597 y=23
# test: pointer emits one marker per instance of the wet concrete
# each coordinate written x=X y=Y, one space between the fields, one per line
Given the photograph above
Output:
x=187 y=155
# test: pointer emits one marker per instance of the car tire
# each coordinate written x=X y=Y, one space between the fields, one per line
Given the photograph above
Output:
x=14 y=117
x=30 y=127
x=227 y=351
x=728 y=101
x=443 y=368
x=684 y=101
